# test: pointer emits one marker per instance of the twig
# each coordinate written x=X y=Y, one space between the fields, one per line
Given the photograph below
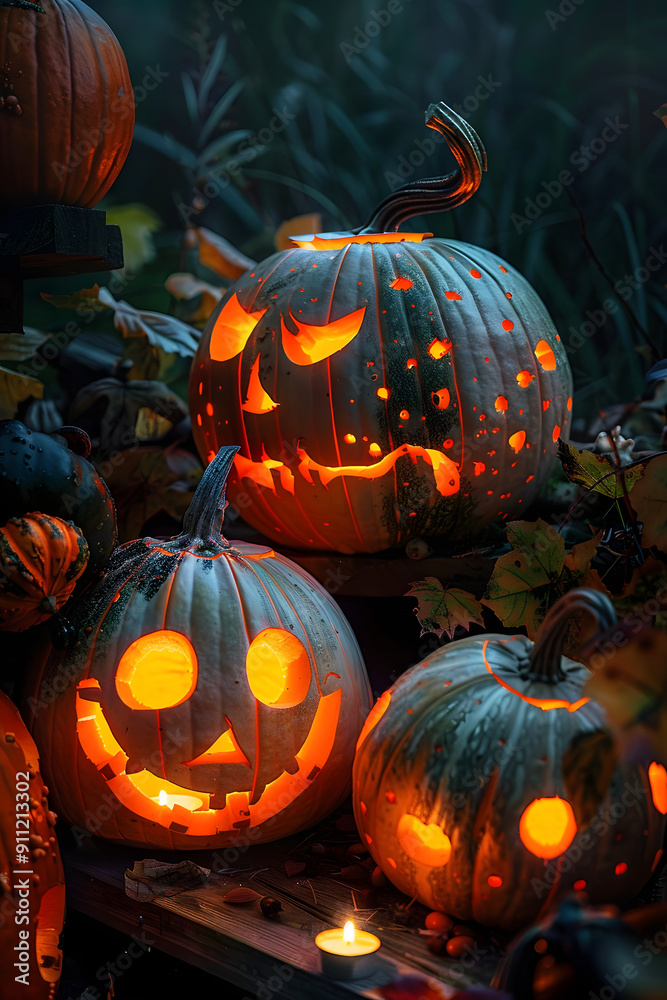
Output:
x=312 y=890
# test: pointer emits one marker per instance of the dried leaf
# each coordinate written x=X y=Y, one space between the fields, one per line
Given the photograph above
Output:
x=137 y=225
x=216 y=253
x=87 y=300
x=441 y=610
x=242 y=894
x=14 y=388
x=527 y=581
x=354 y=873
x=649 y=501
x=20 y=347
x=588 y=765
x=296 y=227
x=294 y=867
x=167 y=332
x=187 y=286
x=595 y=472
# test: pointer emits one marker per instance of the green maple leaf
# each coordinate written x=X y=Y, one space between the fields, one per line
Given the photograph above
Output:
x=441 y=609
x=595 y=473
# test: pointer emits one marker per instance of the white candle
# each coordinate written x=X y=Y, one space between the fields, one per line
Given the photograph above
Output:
x=344 y=951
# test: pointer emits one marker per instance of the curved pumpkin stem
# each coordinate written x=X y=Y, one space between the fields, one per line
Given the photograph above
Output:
x=545 y=658
x=203 y=518
x=435 y=194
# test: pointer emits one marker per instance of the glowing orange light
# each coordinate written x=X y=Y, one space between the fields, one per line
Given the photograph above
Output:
x=545 y=356
x=501 y=404
x=517 y=441
x=438 y=348
x=545 y=404
x=158 y=670
x=401 y=284
x=404 y=415
x=314 y=343
x=348 y=932
x=260 y=472
x=479 y=468
x=621 y=868
x=225 y=750
x=374 y=716
x=350 y=439
x=579 y=885
x=47 y=936
x=337 y=241
x=425 y=843
x=278 y=668
x=555 y=434
x=524 y=378
x=453 y=296
x=657 y=777
x=384 y=393
x=257 y=399
x=232 y=330
x=546 y=704
x=412 y=363
x=494 y=881
x=445 y=472
x=569 y=402
x=441 y=398
x=507 y=324
x=547 y=827
x=475 y=273
x=374 y=449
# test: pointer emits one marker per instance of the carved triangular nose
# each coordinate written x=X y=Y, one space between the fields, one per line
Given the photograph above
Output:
x=225 y=750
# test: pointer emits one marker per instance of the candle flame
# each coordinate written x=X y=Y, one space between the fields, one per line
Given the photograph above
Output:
x=162 y=798
x=348 y=933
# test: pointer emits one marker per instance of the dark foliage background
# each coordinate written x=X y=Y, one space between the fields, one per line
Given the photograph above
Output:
x=557 y=74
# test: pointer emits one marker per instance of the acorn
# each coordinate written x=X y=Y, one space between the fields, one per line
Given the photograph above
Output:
x=270 y=907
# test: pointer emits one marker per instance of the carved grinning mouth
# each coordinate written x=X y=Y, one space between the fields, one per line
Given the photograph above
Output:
x=186 y=810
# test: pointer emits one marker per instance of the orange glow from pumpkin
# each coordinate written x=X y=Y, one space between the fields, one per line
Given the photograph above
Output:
x=260 y=472
x=524 y=378
x=445 y=472
x=225 y=750
x=158 y=670
x=278 y=668
x=350 y=439
x=657 y=777
x=401 y=284
x=438 y=348
x=547 y=827
x=479 y=468
x=441 y=398
x=546 y=704
x=404 y=415
x=501 y=404
x=374 y=449
x=384 y=393
x=517 y=441
x=425 y=843
x=315 y=343
x=336 y=241
x=555 y=434
x=232 y=330
x=545 y=356
x=374 y=716
x=257 y=399
x=47 y=936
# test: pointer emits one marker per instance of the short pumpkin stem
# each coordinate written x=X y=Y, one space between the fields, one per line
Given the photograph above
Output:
x=435 y=194
x=203 y=518
x=545 y=658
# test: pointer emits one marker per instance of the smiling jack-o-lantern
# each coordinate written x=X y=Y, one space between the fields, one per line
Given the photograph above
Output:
x=384 y=385
x=215 y=691
x=459 y=785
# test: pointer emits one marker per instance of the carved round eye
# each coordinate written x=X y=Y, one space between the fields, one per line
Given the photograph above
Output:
x=278 y=668
x=159 y=670
x=547 y=827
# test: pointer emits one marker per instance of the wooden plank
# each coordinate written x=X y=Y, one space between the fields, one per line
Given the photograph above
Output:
x=238 y=943
x=52 y=240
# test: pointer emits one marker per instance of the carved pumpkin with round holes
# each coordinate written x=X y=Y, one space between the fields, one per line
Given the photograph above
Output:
x=66 y=104
x=384 y=384
x=29 y=860
x=215 y=692
x=459 y=787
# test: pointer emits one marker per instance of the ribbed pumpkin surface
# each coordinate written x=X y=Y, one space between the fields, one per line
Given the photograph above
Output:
x=41 y=558
x=27 y=844
x=464 y=746
x=68 y=73
x=432 y=410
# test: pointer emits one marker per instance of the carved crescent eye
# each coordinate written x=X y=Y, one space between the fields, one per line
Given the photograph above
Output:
x=278 y=668
x=314 y=343
x=232 y=330
x=158 y=670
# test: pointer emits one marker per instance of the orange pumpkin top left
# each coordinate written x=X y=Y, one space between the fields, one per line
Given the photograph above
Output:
x=66 y=104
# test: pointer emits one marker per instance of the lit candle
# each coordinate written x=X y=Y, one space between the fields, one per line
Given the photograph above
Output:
x=345 y=951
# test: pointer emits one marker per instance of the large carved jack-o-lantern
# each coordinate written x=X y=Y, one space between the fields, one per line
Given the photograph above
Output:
x=384 y=384
x=459 y=786
x=215 y=690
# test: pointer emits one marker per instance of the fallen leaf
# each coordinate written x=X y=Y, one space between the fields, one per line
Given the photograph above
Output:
x=187 y=286
x=241 y=895
x=216 y=253
x=294 y=867
x=21 y=346
x=649 y=501
x=298 y=226
x=14 y=388
x=167 y=332
x=595 y=472
x=441 y=610
x=527 y=581
x=588 y=765
x=86 y=300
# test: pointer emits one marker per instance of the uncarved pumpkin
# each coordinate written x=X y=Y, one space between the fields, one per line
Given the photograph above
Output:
x=383 y=384
x=459 y=788
x=41 y=558
x=215 y=692
x=66 y=104
x=32 y=905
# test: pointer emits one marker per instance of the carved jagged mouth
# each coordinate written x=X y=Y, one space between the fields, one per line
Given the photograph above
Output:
x=186 y=810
